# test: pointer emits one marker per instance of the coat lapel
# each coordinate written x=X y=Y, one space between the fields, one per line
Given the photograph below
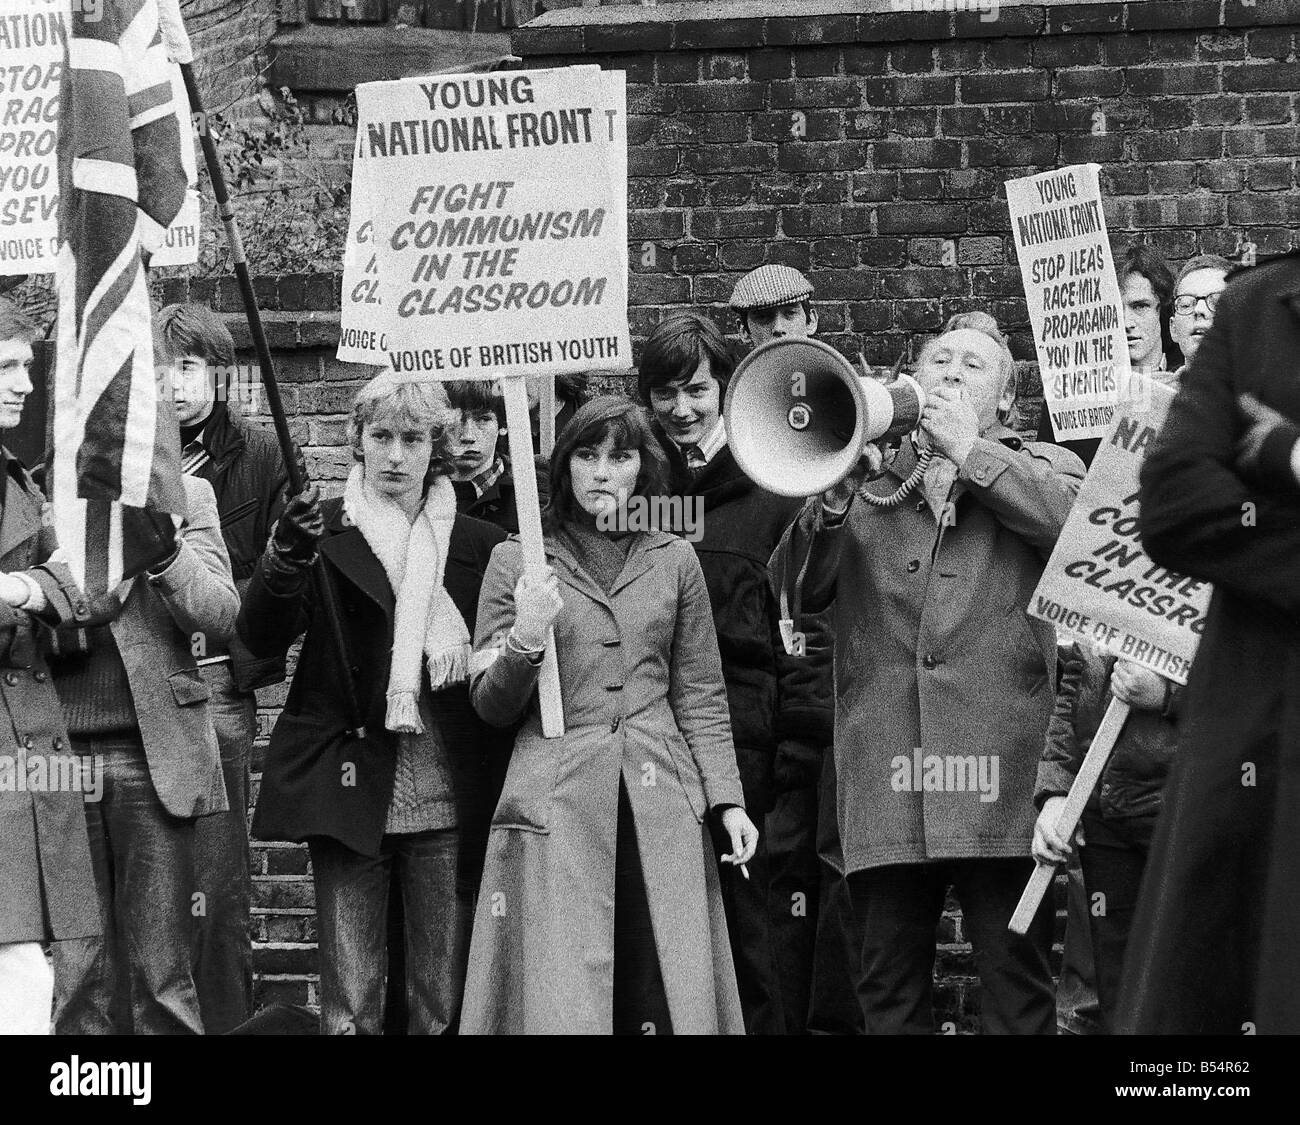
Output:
x=22 y=516
x=558 y=552
x=640 y=559
x=351 y=555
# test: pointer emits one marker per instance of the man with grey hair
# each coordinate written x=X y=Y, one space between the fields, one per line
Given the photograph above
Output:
x=941 y=678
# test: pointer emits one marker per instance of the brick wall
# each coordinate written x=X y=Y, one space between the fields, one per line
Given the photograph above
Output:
x=227 y=36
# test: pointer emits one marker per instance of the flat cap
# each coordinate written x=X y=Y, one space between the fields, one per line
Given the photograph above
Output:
x=769 y=287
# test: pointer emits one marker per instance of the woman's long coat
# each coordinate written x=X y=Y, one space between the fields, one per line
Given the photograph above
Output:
x=643 y=697
x=47 y=888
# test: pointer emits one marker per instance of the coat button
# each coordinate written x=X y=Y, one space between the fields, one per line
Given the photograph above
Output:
x=913 y=566
x=613 y=687
x=39 y=677
x=611 y=644
x=928 y=660
x=29 y=742
x=920 y=505
x=58 y=742
x=11 y=678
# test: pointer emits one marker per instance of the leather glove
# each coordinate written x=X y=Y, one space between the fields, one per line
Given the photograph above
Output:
x=300 y=528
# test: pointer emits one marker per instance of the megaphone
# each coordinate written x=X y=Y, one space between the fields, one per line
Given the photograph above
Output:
x=798 y=415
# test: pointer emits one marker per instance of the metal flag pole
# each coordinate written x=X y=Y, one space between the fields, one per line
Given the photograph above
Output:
x=297 y=480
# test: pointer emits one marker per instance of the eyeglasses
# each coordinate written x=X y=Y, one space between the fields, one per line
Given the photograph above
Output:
x=1186 y=304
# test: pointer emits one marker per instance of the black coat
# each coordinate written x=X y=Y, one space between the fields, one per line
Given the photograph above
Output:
x=771 y=699
x=302 y=794
x=1214 y=936
x=250 y=482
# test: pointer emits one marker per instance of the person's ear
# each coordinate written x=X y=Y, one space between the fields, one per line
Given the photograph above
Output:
x=744 y=330
x=812 y=322
x=1008 y=397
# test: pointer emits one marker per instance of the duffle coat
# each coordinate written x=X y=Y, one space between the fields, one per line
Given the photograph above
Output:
x=643 y=697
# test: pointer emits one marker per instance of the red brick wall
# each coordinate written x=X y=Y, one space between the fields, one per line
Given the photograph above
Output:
x=891 y=200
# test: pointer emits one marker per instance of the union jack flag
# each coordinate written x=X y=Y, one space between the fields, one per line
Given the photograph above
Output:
x=116 y=474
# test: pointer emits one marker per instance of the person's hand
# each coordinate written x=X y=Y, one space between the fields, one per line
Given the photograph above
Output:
x=1049 y=846
x=1138 y=686
x=836 y=500
x=300 y=527
x=537 y=604
x=743 y=834
x=950 y=422
x=1265 y=422
x=14 y=591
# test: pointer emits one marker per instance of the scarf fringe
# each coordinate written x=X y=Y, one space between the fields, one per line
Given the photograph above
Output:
x=449 y=666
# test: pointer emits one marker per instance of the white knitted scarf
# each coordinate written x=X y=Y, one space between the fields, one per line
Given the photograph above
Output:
x=426 y=620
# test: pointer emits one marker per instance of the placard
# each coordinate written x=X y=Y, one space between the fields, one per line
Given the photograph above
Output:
x=1074 y=300
x=488 y=235
x=32 y=37
x=1099 y=584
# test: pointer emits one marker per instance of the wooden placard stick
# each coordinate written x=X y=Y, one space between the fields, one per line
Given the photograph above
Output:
x=546 y=416
x=1103 y=742
x=515 y=391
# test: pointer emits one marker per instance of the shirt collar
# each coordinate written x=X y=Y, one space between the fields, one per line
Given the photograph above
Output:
x=488 y=477
x=713 y=444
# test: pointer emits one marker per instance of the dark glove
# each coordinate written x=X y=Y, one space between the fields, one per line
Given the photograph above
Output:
x=300 y=527
x=1264 y=450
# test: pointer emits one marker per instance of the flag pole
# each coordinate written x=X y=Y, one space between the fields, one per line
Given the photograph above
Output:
x=297 y=479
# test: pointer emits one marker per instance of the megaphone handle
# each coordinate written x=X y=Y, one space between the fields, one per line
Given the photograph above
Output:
x=904 y=490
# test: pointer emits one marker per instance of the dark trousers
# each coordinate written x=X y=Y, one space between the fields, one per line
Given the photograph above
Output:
x=1114 y=860
x=899 y=908
x=833 y=1007
x=744 y=902
x=136 y=976
x=640 y=1001
x=1078 y=1011
x=794 y=896
x=223 y=950
x=352 y=910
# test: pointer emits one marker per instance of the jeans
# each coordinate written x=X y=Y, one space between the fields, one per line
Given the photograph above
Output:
x=223 y=950
x=1114 y=860
x=136 y=976
x=1078 y=1011
x=898 y=908
x=352 y=923
x=26 y=989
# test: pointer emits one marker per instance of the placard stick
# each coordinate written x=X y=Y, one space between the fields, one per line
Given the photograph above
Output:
x=546 y=415
x=515 y=391
x=1103 y=742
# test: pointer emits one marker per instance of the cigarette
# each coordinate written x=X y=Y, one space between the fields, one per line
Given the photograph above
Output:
x=744 y=871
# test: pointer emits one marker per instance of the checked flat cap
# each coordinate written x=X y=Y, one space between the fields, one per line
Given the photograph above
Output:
x=769 y=287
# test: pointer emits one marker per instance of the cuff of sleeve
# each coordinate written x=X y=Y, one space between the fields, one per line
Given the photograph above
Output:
x=984 y=464
x=724 y=792
x=1053 y=781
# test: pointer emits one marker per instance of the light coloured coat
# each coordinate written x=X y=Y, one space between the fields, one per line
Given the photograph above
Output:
x=643 y=696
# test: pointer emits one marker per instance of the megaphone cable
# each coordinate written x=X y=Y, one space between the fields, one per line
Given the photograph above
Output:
x=904 y=490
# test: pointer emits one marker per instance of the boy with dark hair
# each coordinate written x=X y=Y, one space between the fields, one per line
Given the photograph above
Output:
x=480 y=475
x=244 y=466
x=685 y=368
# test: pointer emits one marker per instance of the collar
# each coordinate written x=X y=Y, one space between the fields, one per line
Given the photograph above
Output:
x=488 y=477
x=714 y=442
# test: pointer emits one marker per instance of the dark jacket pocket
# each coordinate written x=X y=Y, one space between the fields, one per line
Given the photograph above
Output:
x=188 y=686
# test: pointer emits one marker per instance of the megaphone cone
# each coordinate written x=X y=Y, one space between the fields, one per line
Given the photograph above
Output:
x=798 y=415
